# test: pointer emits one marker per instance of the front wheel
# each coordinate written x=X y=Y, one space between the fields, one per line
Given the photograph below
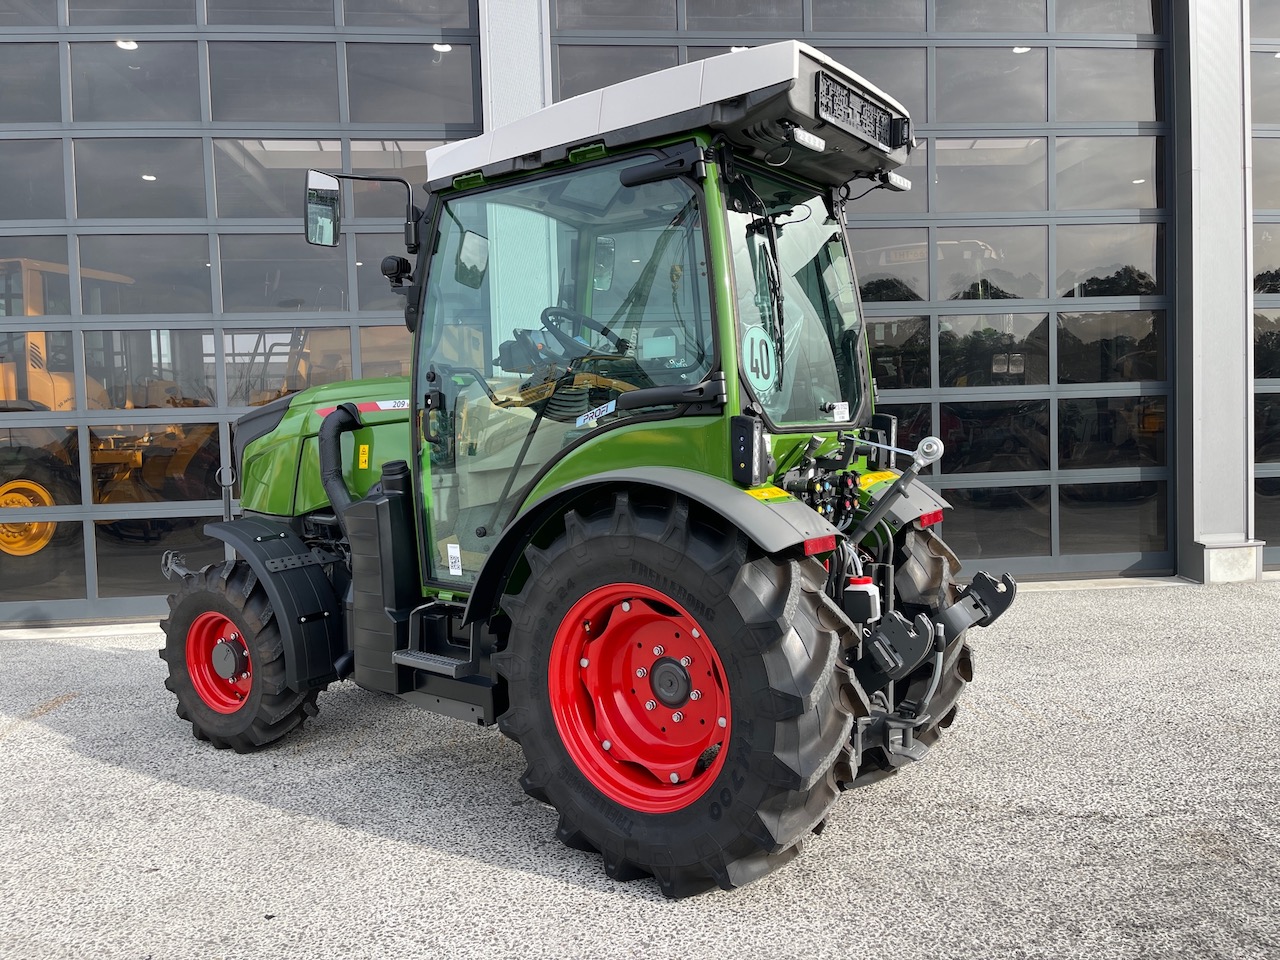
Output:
x=679 y=697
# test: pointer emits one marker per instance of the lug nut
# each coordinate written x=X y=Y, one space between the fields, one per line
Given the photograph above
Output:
x=722 y=722
x=677 y=716
x=658 y=650
x=695 y=695
x=584 y=663
x=608 y=745
x=696 y=634
x=685 y=661
x=675 y=778
x=641 y=672
x=626 y=606
x=650 y=704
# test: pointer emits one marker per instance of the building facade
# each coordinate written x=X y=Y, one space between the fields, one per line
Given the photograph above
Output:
x=1065 y=297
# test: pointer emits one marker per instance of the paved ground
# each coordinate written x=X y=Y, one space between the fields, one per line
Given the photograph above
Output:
x=1110 y=791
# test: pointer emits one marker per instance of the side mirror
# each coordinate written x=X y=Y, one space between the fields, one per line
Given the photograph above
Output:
x=472 y=260
x=324 y=209
x=602 y=278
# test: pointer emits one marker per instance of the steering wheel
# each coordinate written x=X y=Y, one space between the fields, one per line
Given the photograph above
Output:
x=552 y=316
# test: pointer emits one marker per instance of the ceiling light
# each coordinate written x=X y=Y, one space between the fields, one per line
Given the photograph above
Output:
x=359 y=263
x=442 y=47
x=148 y=177
x=738 y=49
x=1140 y=181
x=127 y=44
x=1021 y=49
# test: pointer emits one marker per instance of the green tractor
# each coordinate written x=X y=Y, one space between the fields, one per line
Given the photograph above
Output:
x=633 y=504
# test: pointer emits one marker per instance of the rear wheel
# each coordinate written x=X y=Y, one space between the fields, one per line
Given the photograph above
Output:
x=678 y=697
x=226 y=661
x=32 y=551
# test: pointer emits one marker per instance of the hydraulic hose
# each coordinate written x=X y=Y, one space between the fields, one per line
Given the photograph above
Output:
x=329 y=438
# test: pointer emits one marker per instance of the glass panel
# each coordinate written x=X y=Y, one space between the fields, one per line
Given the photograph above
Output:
x=440 y=14
x=1113 y=517
x=1111 y=432
x=992 y=84
x=1266 y=519
x=1264 y=80
x=914 y=424
x=273 y=82
x=375 y=292
x=410 y=83
x=47 y=461
x=991 y=436
x=110 y=13
x=1266 y=258
x=992 y=263
x=36 y=371
x=868 y=15
x=898 y=71
x=149 y=368
x=263 y=178
x=54 y=572
x=880 y=200
x=990 y=175
x=405 y=159
x=1110 y=173
x=585 y=68
x=998 y=16
x=1264 y=19
x=1115 y=346
x=139 y=177
x=997 y=350
x=735 y=15
x=292 y=12
x=1109 y=85
x=265 y=364
x=142 y=80
x=1111 y=260
x=385 y=351
x=1111 y=16
x=30 y=84
x=33 y=277
x=31 y=187
x=891 y=264
x=145 y=274
x=1266 y=427
x=1266 y=344
x=154 y=463
x=1266 y=174
x=28 y=13
x=615 y=15
x=899 y=351
x=998 y=522
x=127 y=550
x=272 y=273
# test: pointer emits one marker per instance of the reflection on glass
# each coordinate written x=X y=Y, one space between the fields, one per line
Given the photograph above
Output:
x=263 y=178
x=899 y=71
x=30 y=86
x=992 y=84
x=145 y=274
x=281 y=273
x=734 y=15
x=1266 y=344
x=1112 y=346
x=1110 y=84
x=1111 y=260
x=1266 y=517
x=385 y=351
x=152 y=80
x=31 y=185
x=292 y=12
x=991 y=174
x=1266 y=174
x=375 y=293
x=994 y=436
x=1009 y=349
x=40 y=557
x=984 y=16
x=130 y=369
x=127 y=548
x=1264 y=81
x=868 y=15
x=273 y=82
x=154 y=463
x=139 y=177
x=36 y=370
x=914 y=423
x=615 y=15
x=410 y=83
x=992 y=263
x=1113 y=517
x=1112 y=432
x=1111 y=16
x=1264 y=19
x=265 y=364
x=584 y=68
x=28 y=13
x=408 y=13
x=33 y=277
x=405 y=159
x=1266 y=427
x=111 y=13
x=891 y=264
x=998 y=521
x=1266 y=258
x=899 y=351
x=1110 y=173
x=880 y=200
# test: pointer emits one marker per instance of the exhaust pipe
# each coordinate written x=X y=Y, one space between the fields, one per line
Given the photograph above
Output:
x=343 y=419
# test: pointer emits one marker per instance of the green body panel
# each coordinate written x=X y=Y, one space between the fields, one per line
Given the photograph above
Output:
x=281 y=471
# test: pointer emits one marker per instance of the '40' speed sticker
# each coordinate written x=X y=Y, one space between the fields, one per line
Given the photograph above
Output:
x=759 y=360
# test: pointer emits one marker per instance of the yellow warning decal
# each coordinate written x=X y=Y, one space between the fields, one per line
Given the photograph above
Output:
x=364 y=456
x=871 y=479
x=769 y=494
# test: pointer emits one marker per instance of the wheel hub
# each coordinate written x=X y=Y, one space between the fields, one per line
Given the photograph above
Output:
x=230 y=659
x=218 y=662
x=25 y=538
x=670 y=682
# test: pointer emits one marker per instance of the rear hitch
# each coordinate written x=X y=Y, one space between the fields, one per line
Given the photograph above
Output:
x=173 y=566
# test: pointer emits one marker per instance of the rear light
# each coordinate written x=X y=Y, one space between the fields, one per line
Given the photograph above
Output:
x=820 y=545
x=929 y=519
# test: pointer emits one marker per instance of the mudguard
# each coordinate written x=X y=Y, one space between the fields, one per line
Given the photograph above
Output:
x=302 y=598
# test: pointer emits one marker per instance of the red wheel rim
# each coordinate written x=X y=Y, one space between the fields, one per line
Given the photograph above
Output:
x=639 y=697
x=218 y=663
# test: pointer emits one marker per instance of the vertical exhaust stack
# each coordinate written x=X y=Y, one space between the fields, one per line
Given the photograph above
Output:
x=343 y=419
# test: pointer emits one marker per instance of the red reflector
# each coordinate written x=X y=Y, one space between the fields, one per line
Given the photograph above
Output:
x=929 y=519
x=819 y=545
x=860 y=581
